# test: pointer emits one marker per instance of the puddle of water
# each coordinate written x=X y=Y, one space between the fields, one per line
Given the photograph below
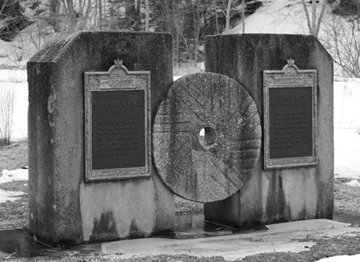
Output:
x=186 y=222
x=9 y=195
x=18 y=243
x=351 y=218
x=195 y=226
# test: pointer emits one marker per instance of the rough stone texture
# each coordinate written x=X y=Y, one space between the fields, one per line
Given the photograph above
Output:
x=283 y=194
x=214 y=166
x=63 y=208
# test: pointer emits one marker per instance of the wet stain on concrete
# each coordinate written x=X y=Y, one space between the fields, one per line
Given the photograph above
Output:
x=16 y=243
x=277 y=209
x=134 y=231
x=104 y=228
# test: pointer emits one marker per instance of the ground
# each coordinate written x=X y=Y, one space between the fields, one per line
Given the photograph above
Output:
x=14 y=212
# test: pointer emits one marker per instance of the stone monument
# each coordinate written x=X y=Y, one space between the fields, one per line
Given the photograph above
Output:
x=290 y=78
x=110 y=134
x=91 y=176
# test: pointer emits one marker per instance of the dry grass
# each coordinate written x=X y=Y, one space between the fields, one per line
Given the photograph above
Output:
x=14 y=156
x=324 y=248
x=347 y=198
x=14 y=214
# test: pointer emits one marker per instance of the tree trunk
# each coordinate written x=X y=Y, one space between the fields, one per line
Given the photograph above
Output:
x=100 y=14
x=54 y=15
x=358 y=14
x=307 y=15
x=71 y=14
x=195 y=27
x=320 y=18
x=313 y=25
x=243 y=15
x=228 y=11
x=147 y=16
x=132 y=12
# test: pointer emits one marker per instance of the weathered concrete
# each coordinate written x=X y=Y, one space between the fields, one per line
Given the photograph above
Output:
x=63 y=208
x=283 y=194
x=286 y=237
x=214 y=166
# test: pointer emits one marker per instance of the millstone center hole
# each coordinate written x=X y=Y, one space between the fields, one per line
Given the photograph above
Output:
x=207 y=136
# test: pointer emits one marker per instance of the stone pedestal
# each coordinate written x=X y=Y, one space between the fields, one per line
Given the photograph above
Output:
x=63 y=207
x=282 y=194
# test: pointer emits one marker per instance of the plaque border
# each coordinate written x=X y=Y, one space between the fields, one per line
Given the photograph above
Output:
x=272 y=79
x=117 y=78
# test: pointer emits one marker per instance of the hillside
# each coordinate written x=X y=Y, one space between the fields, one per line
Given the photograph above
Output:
x=275 y=16
x=338 y=34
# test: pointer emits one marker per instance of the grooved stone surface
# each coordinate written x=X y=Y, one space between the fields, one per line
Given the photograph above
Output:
x=214 y=166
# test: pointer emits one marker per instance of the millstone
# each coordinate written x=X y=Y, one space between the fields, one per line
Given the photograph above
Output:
x=215 y=165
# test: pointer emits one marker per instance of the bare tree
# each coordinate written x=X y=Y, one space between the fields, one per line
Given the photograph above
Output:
x=147 y=15
x=174 y=22
x=227 y=16
x=345 y=39
x=357 y=4
x=197 y=24
x=229 y=8
x=243 y=8
x=314 y=23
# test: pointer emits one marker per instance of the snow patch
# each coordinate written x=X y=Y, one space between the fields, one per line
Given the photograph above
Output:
x=276 y=17
x=13 y=76
x=354 y=183
x=9 y=195
x=19 y=127
x=354 y=258
x=14 y=175
x=11 y=176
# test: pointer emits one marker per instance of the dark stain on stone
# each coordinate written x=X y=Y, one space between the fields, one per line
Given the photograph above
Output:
x=163 y=233
x=276 y=208
x=104 y=229
x=134 y=231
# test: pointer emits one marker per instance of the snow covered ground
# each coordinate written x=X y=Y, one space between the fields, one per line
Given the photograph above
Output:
x=347 y=128
x=9 y=195
x=19 y=127
x=354 y=258
x=11 y=176
x=275 y=17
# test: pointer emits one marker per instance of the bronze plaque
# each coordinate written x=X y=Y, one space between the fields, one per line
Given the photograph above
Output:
x=117 y=124
x=290 y=117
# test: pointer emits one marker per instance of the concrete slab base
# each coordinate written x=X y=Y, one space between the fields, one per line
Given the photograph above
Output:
x=285 y=237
